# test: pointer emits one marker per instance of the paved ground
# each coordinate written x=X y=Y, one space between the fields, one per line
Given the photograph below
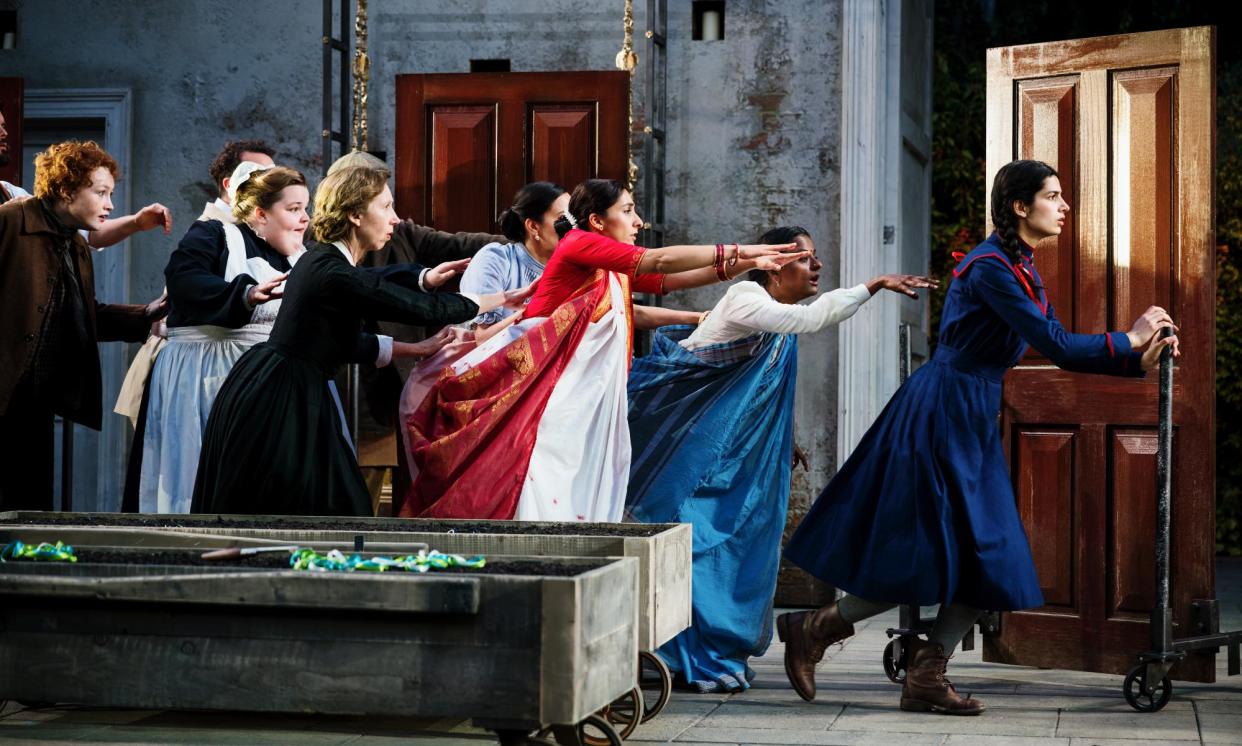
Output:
x=856 y=705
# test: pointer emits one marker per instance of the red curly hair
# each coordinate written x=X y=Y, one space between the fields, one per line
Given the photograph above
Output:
x=66 y=168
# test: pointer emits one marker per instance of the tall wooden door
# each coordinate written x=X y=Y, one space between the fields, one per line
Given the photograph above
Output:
x=466 y=142
x=11 y=107
x=1128 y=121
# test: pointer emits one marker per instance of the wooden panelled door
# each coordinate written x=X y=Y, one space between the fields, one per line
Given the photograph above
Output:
x=466 y=142
x=11 y=92
x=1128 y=121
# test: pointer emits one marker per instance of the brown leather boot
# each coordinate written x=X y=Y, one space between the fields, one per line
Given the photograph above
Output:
x=807 y=634
x=927 y=689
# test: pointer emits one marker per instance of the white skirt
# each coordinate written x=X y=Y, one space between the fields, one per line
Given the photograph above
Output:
x=188 y=374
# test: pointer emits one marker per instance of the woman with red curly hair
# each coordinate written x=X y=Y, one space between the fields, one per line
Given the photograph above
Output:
x=49 y=363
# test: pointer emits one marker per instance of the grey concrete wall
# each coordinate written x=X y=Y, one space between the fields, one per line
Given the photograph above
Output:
x=201 y=73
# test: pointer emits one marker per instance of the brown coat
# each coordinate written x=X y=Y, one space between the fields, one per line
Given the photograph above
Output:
x=28 y=269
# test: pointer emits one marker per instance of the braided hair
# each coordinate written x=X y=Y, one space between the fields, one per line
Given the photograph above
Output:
x=1016 y=181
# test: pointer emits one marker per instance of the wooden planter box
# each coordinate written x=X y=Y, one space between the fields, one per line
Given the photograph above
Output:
x=664 y=551
x=510 y=647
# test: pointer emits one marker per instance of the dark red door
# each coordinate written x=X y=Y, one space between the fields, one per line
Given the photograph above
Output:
x=466 y=142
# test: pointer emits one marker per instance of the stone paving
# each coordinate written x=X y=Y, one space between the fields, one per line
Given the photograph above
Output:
x=857 y=705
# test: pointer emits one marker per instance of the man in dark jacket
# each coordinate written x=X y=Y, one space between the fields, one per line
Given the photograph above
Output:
x=49 y=362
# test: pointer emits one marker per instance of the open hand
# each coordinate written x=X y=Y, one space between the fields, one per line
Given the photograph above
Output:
x=157 y=309
x=265 y=291
x=772 y=257
x=515 y=299
x=904 y=284
x=439 y=340
x=799 y=457
x=154 y=215
x=442 y=273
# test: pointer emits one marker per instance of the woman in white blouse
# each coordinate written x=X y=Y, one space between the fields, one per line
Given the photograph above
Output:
x=711 y=425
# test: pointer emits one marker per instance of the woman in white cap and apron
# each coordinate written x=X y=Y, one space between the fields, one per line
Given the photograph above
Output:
x=224 y=283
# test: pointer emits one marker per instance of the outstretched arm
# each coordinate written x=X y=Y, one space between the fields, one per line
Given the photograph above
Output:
x=116 y=230
x=1110 y=353
x=654 y=317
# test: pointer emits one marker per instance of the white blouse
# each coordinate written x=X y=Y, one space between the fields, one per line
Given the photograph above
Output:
x=747 y=309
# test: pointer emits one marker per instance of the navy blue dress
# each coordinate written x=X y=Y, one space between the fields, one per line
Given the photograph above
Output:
x=923 y=511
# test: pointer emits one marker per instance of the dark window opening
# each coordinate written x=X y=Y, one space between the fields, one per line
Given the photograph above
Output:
x=489 y=66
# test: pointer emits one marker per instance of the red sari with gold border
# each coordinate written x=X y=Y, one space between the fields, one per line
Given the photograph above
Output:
x=473 y=437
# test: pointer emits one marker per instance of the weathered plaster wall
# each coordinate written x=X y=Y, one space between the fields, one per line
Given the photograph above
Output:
x=201 y=73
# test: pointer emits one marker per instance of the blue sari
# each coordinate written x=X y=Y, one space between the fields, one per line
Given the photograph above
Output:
x=712 y=435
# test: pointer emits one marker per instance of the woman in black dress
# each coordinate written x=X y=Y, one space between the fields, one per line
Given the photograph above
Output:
x=274 y=442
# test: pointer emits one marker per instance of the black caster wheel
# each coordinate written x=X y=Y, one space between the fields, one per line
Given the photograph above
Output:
x=656 y=682
x=624 y=714
x=597 y=731
x=896 y=660
x=1140 y=696
x=593 y=730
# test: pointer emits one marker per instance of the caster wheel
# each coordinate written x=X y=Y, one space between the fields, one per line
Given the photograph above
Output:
x=624 y=714
x=1144 y=698
x=597 y=731
x=896 y=661
x=593 y=730
x=656 y=682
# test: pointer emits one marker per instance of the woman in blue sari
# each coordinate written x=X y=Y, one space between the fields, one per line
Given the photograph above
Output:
x=711 y=425
x=923 y=511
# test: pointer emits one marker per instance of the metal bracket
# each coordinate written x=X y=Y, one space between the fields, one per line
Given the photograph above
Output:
x=990 y=623
x=1204 y=616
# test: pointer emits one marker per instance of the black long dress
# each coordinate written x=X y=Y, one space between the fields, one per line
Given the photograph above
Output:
x=274 y=443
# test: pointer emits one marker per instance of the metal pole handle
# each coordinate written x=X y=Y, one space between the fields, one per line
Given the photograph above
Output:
x=1164 y=472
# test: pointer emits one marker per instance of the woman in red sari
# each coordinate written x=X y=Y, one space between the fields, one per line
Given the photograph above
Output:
x=532 y=423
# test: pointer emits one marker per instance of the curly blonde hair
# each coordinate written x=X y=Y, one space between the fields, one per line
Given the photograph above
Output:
x=66 y=168
x=341 y=194
x=263 y=189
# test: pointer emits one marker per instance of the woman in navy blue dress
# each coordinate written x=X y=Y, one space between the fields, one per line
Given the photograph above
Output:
x=923 y=512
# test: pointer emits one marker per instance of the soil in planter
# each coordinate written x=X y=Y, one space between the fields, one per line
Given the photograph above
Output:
x=280 y=561
x=296 y=523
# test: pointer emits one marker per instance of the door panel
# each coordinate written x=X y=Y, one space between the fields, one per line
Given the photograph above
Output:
x=562 y=143
x=1144 y=190
x=1046 y=122
x=1128 y=123
x=467 y=142
x=463 y=181
x=1047 y=463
